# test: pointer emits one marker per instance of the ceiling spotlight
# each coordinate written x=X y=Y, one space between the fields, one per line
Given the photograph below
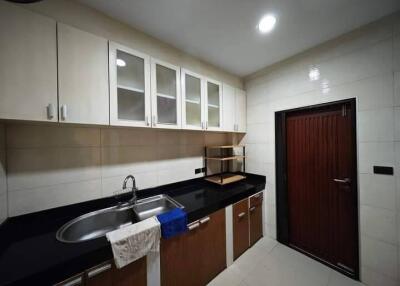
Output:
x=267 y=23
x=121 y=63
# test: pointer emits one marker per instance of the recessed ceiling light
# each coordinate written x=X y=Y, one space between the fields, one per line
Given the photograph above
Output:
x=314 y=74
x=121 y=63
x=267 y=23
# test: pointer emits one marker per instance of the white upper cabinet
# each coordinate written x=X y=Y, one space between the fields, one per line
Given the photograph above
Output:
x=193 y=115
x=229 y=109
x=165 y=95
x=213 y=105
x=82 y=77
x=130 y=98
x=234 y=110
x=28 y=65
x=240 y=113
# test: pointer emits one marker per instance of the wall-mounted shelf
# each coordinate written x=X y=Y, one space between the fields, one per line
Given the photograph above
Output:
x=225 y=146
x=224 y=179
x=224 y=157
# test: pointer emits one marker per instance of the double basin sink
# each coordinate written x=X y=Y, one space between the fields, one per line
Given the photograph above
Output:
x=96 y=224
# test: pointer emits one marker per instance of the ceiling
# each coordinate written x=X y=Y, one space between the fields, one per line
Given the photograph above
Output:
x=223 y=32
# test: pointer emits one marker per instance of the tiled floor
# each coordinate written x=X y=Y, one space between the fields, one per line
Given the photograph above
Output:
x=270 y=263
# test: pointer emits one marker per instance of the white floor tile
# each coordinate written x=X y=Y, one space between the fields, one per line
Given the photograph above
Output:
x=269 y=263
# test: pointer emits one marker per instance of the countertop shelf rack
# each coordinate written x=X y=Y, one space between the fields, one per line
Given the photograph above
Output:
x=225 y=156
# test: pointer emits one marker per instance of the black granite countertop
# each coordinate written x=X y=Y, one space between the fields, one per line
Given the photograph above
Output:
x=31 y=255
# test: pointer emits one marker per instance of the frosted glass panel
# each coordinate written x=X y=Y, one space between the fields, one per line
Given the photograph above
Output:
x=166 y=81
x=213 y=104
x=130 y=105
x=130 y=71
x=130 y=82
x=166 y=95
x=193 y=100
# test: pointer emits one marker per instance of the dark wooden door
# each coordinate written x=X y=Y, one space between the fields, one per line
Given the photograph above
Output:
x=213 y=237
x=255 y=213
x=322 y=204
x=240 y=228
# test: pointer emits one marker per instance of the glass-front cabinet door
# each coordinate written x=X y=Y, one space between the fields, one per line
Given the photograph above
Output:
x=192 y=101
x=129 y=87
x=213 y=105
x=166 y=95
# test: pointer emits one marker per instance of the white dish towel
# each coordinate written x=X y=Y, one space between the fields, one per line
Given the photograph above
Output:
x=135 y=241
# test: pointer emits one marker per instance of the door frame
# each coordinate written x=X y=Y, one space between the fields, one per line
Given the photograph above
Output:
x=282 y=208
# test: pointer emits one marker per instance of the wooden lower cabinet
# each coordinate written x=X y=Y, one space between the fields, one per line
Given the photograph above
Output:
x=255 y=217
x=196 y=257
x=134 y=274
x=240 y=228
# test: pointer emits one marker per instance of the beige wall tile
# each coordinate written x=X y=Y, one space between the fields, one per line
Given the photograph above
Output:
x=128 y=137
x=39 y=167
x=376 y=125
x=41 y=136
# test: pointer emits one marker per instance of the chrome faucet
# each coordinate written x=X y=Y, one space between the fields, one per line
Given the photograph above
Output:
x=133 y=189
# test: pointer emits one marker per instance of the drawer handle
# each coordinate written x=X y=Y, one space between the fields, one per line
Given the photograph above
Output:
x=204 y=220
x=99 y=270
x=241 y=214
x=252 y=209
x=193 y=226
x=74 y=282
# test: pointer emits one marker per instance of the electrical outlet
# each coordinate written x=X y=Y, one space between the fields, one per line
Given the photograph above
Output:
x=199 y=170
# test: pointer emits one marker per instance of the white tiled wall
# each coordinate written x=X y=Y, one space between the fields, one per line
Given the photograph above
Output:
x=364 y=64
x=50 y=166
x=3 y=180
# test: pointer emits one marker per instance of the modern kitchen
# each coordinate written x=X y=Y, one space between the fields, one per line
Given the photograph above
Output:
x=175 y=142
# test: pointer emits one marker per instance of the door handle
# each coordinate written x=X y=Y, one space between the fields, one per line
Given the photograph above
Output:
x=99 y=270
x=252 y=209
x=193 y=225
x=204 y=220
x=241 y=214
x=342 y=181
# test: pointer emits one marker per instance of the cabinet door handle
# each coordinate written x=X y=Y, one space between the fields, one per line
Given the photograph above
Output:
x=147 y=121
x=204 y=220
x=64 y=112
x=99 y=270
x=193 y=225
x=50 y=111
x=252 y=209
x=241 y=215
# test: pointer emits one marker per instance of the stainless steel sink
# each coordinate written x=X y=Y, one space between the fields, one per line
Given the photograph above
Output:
x=96 y=224
x=156 y=205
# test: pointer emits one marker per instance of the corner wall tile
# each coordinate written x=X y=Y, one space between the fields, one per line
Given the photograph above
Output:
x=372 y=154
x=378 y=191
x=379 y=256
x=397 y=88
x=376 y=125
x=379 y=224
